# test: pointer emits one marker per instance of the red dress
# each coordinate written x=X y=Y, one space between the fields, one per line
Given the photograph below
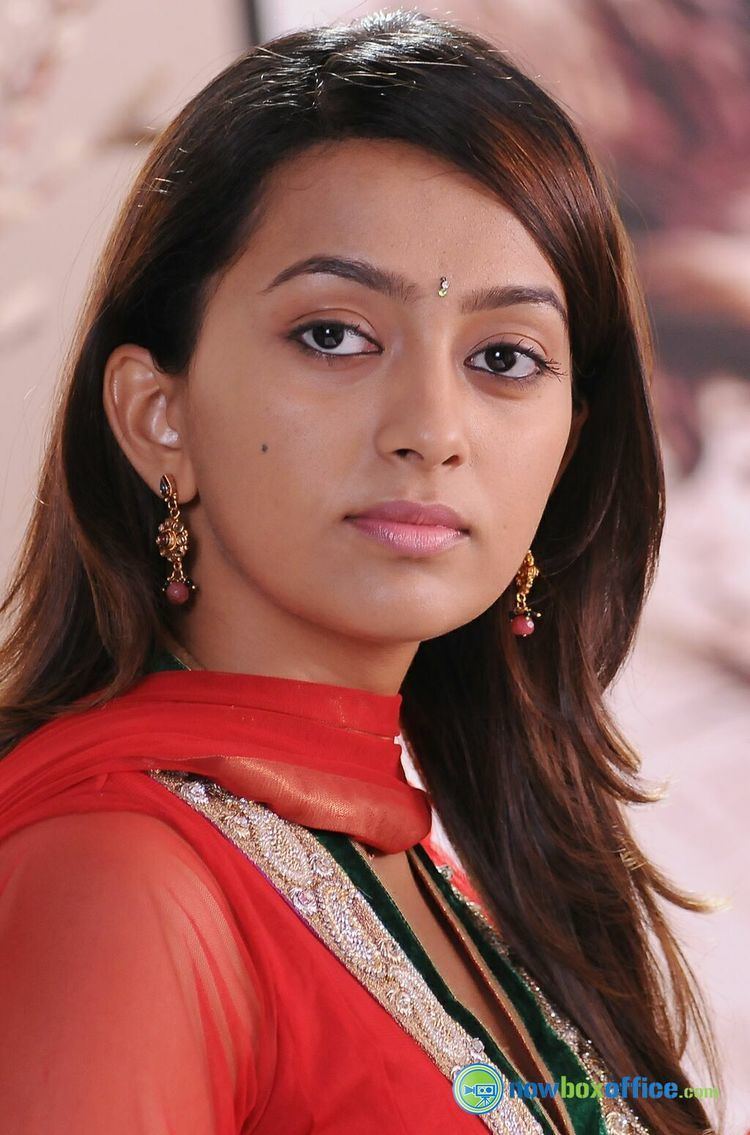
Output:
x=204 y=951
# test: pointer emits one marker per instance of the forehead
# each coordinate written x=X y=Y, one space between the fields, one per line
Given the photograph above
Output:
x=397 y=205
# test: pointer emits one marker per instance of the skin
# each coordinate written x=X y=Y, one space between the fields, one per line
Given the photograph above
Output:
x=272 y=447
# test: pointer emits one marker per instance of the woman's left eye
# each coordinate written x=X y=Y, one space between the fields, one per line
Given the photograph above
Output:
x=331 y=335
x=500 y=354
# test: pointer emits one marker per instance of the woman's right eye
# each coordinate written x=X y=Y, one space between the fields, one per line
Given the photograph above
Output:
x=328 y=336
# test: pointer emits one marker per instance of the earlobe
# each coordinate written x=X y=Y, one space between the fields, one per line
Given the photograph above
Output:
x=142 y=405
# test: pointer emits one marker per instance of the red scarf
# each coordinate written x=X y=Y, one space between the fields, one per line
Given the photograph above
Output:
x=320 y=755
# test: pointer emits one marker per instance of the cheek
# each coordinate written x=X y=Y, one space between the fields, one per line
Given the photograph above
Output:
x=521 y=459
x=259 y=466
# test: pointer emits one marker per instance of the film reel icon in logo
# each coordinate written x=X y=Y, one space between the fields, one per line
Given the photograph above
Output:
x=478 y=1088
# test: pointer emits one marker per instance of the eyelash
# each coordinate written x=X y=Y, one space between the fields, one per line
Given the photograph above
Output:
x=545 y=366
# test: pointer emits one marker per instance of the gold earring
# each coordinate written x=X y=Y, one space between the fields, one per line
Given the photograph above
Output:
x=172 y=542
x=521 y=617
x=443 y=289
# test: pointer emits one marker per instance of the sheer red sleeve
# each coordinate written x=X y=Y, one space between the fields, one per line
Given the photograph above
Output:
x=126 y=1004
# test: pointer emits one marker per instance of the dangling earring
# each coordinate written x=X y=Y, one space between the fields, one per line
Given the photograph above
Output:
x=521 y=617
x=172 y=542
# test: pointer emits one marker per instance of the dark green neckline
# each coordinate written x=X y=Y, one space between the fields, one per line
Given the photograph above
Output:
x=163 y=659
x=366 y=881
x=585 y=1114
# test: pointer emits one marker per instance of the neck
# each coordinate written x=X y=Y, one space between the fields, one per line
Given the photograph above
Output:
x=254 y=637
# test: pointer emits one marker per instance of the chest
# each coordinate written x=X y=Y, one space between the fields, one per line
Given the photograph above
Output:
x=465 y=973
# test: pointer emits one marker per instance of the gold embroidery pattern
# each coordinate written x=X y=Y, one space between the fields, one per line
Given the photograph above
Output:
x=336 y=911
x=619 y=1117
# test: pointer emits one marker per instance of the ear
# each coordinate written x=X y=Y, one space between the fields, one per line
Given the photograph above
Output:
x=580 y=414
x=145 y=409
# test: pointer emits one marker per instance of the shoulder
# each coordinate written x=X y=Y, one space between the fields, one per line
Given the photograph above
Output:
x=119 y=954
x=107 y=857
x=126 y=877
x=109 y=837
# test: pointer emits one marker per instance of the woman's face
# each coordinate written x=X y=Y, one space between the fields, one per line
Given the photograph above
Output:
x=288 y=423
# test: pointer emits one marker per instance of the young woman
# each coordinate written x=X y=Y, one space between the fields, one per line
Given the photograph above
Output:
x=360 y=400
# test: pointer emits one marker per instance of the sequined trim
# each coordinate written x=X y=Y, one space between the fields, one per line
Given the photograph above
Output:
x=619 y=1117
x=324 y=897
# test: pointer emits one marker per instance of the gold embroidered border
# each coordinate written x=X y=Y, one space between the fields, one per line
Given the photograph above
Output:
x=619 y=1117
x=324 y=897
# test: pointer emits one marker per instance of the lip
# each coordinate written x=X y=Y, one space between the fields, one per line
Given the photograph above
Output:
x=414 y=512
x=413 y=528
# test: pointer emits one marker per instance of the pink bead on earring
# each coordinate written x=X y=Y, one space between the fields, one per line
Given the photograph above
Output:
x=522 y=617
x=172 y=542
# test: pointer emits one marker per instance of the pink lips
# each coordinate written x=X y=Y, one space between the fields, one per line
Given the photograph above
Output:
x=414 y=527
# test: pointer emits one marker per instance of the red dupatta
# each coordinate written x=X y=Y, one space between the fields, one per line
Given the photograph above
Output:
x=321 y=755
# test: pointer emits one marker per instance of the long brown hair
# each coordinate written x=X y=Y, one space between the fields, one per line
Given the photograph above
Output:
x=523 y=761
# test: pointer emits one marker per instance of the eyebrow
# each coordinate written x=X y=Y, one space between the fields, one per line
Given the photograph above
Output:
x=397 y=287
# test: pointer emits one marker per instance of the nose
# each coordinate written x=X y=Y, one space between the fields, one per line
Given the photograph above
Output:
x=424 y=412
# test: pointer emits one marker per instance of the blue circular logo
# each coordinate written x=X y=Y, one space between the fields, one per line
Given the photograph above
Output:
x=478 y=1088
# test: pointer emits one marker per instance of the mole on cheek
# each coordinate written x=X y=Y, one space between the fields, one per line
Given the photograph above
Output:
x=263 y=448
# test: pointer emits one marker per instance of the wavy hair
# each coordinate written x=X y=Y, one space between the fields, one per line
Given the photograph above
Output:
x=521 y=757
